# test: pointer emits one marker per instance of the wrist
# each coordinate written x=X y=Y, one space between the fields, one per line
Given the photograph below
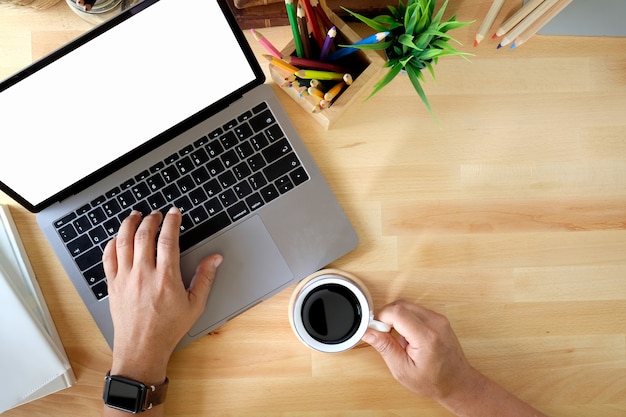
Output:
x=148 y=370
x=465 y=390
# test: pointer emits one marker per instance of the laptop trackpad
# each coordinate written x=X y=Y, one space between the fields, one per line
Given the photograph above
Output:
x=252 y=268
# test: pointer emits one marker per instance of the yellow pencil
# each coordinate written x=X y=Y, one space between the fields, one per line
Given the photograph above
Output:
x=281 y=64
x=331 y=94
x=539 y=23
x=517 y=17
x=489 y=19
x=525 y=24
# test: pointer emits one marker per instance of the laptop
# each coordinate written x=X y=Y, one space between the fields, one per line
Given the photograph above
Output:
x=165 y=105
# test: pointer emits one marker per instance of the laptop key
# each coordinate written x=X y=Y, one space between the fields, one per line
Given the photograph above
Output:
x=204 y=230
x=112 y=226
x=111 y=208
x=171 y=192
x=98 y=235
x=269 y=193
x=140 y=191
x=259 y=107
x=89 y=258
x=170 y=174
x=229 y=140
x=65 y=220
x=67 y=233
x=143 y=207
x=299 y=176
x=100 y=290
x=82 y=224
x=277 y=150
x=212 y=187
x=243 y=131
x=198 y=215
x=183 y=204
x=80 y=245
x=255 y=201
x=126 y=199
x=156 y=201
x=284 y=184
x=185 y=165
x=238 y=211
x=281 y=167
x=274 y=133
x=213 y=206
x=95 y=274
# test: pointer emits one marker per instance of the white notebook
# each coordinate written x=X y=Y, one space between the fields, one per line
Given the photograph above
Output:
x=33 y=362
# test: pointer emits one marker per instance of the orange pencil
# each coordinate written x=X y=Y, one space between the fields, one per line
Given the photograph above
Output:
x=281 y=64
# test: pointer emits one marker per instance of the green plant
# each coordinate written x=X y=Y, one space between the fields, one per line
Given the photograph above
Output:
x=416 y=40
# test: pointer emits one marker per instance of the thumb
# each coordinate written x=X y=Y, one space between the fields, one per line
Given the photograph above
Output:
x=203 y=280
x=389 y=348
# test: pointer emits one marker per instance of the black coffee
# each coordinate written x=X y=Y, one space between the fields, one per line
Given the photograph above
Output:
x=331 y=314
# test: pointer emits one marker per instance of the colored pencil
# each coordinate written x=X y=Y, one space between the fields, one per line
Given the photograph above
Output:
x=303 y=30
x=281 y=64
x=526 y=23
x=336 y=89
x=293 y=22
x=312 y=64
x=314 y=27
x=319 y=75
x=488 y=21
x=266 y=44
x=328 y=43
x=348 y=49
x=321 y=14
x=313 y=91
x=517 y=17
x=539 y=23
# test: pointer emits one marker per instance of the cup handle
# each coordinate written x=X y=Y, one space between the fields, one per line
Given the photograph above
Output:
x=380 y=326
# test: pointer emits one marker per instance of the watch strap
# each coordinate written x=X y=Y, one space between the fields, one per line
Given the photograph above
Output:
x=155 y=394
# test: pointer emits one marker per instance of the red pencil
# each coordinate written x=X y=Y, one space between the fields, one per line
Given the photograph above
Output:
x=312 y=64
x=313 y=25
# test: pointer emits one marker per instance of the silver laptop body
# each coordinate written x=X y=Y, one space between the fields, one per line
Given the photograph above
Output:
x=278 y=231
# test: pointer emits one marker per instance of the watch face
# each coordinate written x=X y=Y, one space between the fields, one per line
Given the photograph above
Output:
x=124 y=395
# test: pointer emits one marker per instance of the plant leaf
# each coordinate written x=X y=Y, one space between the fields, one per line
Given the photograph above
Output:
x=391 y=74
x=411 y=18
x=407 y=40
x=439 y=15
x=424 y=22
x=369 y=22
x=431 y=70
x=379 y=46
x=453 y=24
x=415 y=80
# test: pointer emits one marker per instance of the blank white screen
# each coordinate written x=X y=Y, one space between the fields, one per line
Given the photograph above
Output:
x=149 y=73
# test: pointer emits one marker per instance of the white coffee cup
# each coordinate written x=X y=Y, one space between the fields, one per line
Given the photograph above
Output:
x=330 y=311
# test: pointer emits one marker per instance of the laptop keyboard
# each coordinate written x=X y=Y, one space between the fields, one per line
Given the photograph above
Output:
x=221 y=178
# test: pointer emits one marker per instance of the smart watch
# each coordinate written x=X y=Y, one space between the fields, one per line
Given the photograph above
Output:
x=132 y=396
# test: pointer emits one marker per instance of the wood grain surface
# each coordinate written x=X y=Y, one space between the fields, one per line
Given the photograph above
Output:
x=508 y=215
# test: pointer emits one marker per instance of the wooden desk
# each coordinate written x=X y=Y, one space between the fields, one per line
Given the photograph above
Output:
x=509 y=217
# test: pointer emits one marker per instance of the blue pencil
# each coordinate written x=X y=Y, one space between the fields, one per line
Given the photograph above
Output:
x=347 y=50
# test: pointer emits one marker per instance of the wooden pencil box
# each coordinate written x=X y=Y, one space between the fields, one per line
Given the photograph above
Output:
x=364 y=67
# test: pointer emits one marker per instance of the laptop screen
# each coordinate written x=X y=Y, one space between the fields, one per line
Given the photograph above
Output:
x=114 y=93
